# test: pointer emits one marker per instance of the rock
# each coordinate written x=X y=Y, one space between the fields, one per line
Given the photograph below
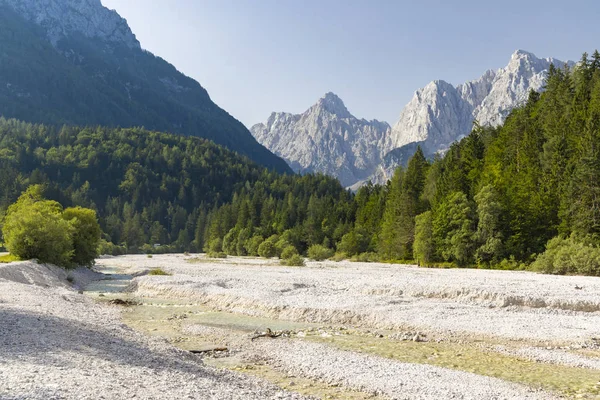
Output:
x=61 y=18
x=326 y=138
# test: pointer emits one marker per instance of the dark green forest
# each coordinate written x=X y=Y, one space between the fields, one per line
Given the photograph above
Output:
x=523 y=195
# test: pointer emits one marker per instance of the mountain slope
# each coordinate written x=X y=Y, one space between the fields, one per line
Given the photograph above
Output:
x=327 y=139
x=76 y=62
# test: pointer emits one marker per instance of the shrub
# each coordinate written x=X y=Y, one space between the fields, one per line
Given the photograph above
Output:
x=319 y=252
x=230 y=242
x=267 y=248
x=108 y=248
x=253 y=244
x=86 y=234
x=158 y=271
x=294 y=261
x=366 y=257
x=288 y=252
x=216 y=254
x=339 y=256
x=35 y=229
x=572 y=255
x=352 y=243
x=214 y=246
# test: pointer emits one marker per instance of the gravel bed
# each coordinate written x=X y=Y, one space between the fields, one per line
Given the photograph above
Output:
x=371 y=374
x=58 y=344
x=504 y=304
x=552 y=356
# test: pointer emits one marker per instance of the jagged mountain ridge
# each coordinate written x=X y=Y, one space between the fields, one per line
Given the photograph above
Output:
x=75 y=62
x=440 y=113
x=437 y=115
x=326 y=138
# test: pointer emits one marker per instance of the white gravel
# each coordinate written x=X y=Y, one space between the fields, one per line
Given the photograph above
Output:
x=58 y=344
x=368 y=373
x=504 y=304
x=551 y=356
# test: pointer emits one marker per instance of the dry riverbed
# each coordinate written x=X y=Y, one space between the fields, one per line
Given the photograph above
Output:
x=346 y=331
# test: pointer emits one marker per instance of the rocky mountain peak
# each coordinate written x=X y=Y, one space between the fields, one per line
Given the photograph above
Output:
x=334 y=105
x=325 y=138
x=62 y=18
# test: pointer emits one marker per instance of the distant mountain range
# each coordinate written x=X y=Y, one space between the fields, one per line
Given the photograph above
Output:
x=328 y=139
x=76 y=62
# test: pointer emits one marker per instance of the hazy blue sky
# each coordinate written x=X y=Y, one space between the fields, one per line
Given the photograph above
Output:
x=259 y=56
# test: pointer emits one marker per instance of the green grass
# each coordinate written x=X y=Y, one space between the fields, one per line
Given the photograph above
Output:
x=8 y=258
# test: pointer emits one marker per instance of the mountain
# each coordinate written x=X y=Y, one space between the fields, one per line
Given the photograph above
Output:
x=76 y=62
x=440 y=113
x=328 y=139
x=325 y=138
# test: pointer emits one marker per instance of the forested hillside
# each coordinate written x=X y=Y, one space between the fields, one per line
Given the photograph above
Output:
x=155 y=188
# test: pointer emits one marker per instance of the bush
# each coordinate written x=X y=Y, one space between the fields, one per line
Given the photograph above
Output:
x=267 y=249
x=214 y=246
x=288 y=252
x=366 y=257
x=352 y=243
x=230 y=242
x=86 y=234
x=216 y=254
x=253 y=244
x=294 y=261
x=108 y=248
x=35 y=229
x=339 y=256
x=319 y=252
x=158 y=271
x=572 y=255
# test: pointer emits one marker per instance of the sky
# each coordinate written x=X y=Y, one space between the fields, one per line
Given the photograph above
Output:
x=259 y=56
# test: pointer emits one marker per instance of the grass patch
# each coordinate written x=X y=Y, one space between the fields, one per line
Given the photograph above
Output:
x=8 y=258
x=568 y=381
x=158 y=271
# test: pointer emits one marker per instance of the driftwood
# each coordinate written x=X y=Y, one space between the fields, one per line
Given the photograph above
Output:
x=208 y=350
x=270 y=334
x=124 y=303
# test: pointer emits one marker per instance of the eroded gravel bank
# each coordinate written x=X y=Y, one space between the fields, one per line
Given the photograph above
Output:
x=504 y=304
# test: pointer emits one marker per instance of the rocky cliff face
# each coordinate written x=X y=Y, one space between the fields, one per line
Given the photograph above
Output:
x=439 y=114
x=62 y=18
x=327 y=139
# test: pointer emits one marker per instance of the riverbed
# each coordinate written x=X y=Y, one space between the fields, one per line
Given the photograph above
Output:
x=358 y=330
